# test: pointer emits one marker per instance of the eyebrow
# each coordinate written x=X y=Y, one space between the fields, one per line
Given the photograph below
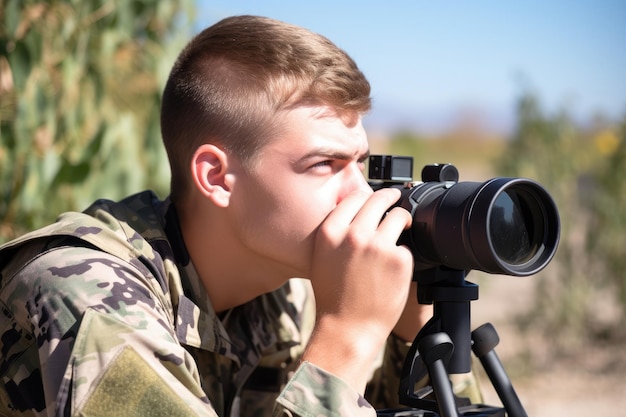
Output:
x=333 y=154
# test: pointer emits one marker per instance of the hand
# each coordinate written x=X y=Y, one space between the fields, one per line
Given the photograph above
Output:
x=361 y=280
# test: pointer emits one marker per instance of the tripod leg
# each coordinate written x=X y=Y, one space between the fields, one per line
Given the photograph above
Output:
x=485 y=339
x=435 y=350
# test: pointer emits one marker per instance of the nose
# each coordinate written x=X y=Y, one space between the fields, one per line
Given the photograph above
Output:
x=353 y=180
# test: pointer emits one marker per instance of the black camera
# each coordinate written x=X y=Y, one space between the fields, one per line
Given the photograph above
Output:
x=502 y=226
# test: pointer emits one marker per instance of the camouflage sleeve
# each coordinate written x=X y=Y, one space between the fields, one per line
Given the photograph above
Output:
x=382 y=389
x=89 y=334
x=314 y=392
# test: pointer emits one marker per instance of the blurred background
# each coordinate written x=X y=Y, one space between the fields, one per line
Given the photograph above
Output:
x=532 y=89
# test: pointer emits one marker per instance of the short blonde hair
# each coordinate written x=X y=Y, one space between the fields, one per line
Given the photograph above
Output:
x=232 y=79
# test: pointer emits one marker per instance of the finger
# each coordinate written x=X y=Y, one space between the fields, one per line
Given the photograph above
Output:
x=394 y=223
x=347 y=209
x=374 y=209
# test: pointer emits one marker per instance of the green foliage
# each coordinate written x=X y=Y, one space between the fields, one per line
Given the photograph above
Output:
x=406 y=143
x=606 y=200
x=80 y=86
x=582 y=170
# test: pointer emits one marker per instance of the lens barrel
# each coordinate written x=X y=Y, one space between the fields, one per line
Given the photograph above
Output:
x=502 y=226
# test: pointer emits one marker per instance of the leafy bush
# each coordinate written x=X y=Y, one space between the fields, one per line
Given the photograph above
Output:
x=80 y=86
x=582 y=168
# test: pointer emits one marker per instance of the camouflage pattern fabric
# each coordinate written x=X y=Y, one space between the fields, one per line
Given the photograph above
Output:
x=102 y=314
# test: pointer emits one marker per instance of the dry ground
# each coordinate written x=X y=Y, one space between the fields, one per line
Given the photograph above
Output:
x=590 y=383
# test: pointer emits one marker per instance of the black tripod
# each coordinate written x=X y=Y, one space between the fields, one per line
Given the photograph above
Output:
x=444 y=347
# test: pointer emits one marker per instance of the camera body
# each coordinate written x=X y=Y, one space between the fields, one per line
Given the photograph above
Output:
x=502 y=226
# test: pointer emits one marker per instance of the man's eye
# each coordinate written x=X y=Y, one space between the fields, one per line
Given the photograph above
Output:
x=322 y=164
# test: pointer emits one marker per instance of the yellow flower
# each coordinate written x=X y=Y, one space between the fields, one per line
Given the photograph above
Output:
x=606 y=142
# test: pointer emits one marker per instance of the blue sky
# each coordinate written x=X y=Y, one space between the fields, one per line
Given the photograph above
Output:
x=430 y=62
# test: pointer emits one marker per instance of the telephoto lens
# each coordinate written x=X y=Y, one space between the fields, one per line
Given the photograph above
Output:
x=502 y=226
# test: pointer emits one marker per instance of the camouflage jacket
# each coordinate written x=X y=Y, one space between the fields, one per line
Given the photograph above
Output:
x=103 y=314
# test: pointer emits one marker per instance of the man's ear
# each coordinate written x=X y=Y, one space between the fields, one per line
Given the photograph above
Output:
x=209 y=169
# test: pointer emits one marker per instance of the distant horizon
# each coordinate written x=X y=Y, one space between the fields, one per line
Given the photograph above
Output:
x=429 y=62
x=391 y=117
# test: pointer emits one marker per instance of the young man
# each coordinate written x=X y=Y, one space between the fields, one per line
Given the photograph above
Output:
x=201 y=304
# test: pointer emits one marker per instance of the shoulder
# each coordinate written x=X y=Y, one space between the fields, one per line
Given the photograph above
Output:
x=89 y=257
x=130 y=230
x=61 y=282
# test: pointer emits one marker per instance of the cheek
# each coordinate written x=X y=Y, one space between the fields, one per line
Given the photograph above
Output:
x=296 y=221
x=286 y=211
x=299 y=216
x=267 y=214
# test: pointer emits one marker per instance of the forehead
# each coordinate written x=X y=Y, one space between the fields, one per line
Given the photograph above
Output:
x=305 y=129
